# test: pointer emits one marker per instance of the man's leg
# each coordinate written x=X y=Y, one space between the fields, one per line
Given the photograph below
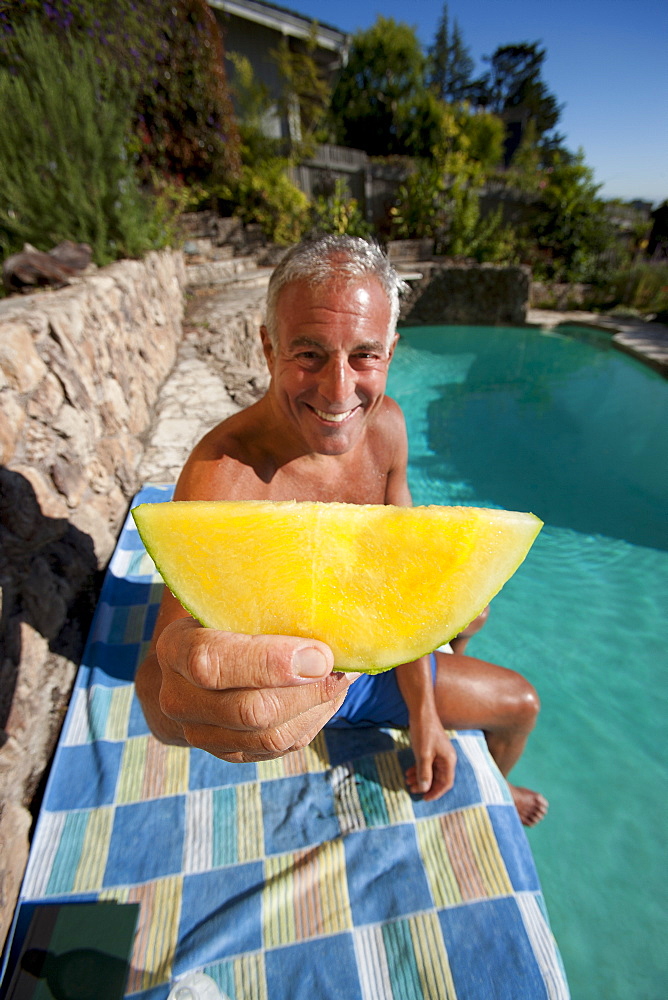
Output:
x=474 y=694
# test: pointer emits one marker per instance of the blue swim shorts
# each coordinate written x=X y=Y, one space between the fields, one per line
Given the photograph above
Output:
x=374 y=700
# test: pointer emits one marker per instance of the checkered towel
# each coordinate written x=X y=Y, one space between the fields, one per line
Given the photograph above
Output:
x=312 y=877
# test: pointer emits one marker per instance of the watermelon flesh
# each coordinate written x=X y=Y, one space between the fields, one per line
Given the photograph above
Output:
x=381 y=585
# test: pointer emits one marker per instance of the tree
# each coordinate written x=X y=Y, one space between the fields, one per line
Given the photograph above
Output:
x=482 y=135
x=377 y=88
x=449 y=64
x=184 y=112
x=514 y=89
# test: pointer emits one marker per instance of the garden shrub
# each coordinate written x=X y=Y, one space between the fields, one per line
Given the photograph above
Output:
x=265 y=195
x=337 y=212
x=171 y=53
x=641 y=288
x=441 y=201
x=65 y=168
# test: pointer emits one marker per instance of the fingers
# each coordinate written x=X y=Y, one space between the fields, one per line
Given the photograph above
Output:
x=247 y=709
x=246 y=698
x=443 y=780
x=218 y=660
x=238 y=747
x=421 y=776
x=433 y=773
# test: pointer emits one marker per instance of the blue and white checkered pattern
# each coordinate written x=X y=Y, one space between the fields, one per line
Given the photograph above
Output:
x=313 y=876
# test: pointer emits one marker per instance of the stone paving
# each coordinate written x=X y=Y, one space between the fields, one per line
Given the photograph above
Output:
x=220 y=369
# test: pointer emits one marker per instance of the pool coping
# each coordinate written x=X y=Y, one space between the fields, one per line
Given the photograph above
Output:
x=644 y=340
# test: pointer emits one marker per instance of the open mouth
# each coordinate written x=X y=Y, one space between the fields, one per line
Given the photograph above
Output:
x=334 y=418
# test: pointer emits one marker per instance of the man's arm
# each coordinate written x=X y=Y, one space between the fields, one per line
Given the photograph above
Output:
x=240 y=697
x=435 y=758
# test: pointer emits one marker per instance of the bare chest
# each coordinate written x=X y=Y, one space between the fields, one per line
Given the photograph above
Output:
x=360 y=482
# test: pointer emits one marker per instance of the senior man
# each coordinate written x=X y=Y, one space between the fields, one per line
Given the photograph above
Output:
x=326 y=431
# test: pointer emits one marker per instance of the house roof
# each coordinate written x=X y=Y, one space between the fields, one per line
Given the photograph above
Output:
x=287 y=22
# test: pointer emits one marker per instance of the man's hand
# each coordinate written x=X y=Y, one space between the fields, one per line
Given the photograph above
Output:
x=433 y=773
x=435 y=757
x=240 y=697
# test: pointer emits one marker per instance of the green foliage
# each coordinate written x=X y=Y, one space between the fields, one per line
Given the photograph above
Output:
x=170 y=51
x=481 y=238
x=449 y=65
x=482 y=137
x=572 y=228
x=642 y=288
x=65 y=168
x=339 y=213
x=420 y=208
x=442 y=202
x=305 y=94
x=428 y=127
x=377 y=89
x=265 y=195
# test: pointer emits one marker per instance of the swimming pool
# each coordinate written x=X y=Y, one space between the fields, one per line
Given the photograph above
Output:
x=566 y=426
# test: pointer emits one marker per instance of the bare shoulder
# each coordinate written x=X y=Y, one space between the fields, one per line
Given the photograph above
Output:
x=218 y=460
x=393 y=445
x=391 y=426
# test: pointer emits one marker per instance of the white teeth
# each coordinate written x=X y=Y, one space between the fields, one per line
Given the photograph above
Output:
x=334 y=418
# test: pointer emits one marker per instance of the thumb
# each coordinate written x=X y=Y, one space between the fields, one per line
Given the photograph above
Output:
x=218 y=660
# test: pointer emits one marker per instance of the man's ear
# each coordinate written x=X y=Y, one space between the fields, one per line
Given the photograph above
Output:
x=392 y=346
x=267 y=347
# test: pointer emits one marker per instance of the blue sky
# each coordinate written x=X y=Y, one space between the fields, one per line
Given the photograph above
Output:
x=607 y=63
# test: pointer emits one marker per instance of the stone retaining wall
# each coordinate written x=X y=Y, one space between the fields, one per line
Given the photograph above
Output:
x=469 y=294
x=80 y=371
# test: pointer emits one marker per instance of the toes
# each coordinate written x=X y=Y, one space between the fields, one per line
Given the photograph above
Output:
x=531 y=806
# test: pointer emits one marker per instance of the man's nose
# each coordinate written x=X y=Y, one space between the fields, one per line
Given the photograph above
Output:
x=338 y=381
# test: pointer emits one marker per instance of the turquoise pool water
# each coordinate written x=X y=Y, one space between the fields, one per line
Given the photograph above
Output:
x=566 y=426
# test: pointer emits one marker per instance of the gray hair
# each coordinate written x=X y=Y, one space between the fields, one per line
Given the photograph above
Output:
x=320 y=260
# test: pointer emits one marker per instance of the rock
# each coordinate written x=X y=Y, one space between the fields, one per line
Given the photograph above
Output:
x=28 y=270
x=69 y=479
x=469 y=294
x=15 y=822
x=51 y=505
x=20 y=362
x=94 y=524
x=76 y=256
x=32 y=268
x=47 y=398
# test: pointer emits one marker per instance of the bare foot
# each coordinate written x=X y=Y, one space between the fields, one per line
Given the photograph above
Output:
x=532 y=806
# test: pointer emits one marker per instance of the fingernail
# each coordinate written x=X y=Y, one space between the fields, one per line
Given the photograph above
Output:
x=310 y=662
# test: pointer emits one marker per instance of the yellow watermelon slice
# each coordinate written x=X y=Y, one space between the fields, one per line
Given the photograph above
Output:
x=381 y=585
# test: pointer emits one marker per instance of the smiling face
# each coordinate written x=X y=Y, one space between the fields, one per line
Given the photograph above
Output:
x=329 y=368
